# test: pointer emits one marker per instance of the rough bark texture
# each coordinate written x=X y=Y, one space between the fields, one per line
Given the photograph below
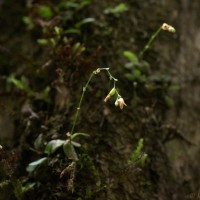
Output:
x=102 y=172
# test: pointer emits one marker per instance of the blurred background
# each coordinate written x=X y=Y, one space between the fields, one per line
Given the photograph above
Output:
x=48 y=49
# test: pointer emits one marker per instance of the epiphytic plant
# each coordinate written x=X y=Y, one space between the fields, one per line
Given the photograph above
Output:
x=164 y=27
x=137 y=66
x=69 y=144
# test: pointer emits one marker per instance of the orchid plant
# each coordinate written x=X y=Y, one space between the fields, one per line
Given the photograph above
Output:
x=69 y=144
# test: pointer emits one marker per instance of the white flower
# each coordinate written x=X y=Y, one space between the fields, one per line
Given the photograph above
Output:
x=120 y=102
x=167 y=27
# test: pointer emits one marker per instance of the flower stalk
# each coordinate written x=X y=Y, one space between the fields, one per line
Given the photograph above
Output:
x=111 y=93
x=164 y=27
x=80 y=102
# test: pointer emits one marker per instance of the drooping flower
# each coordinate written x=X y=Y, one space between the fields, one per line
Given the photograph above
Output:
x=167 y=27
x=107 y=98
x=120 y=102
x=111 y=93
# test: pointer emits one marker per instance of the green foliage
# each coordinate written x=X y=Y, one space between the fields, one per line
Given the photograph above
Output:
x=21 y=190
x=22 y=84
x=69 y=150
x=78 y=134
x=53 y=145
x=138 y=70
x=29 y=23
x=137 y=153
x=34 y=165
x=77 y=28
x=68 y=145
x=55 y=37
x=120 y=8
x=43 y=41
x=143 y=159
x=54 y=40
x=83 y=22
x=4 y=183
x=74 y=4
x=77 y=49
x=67 y=12
x=132 y=58
x=18 y=190
x=39 y=142
x=45 y=12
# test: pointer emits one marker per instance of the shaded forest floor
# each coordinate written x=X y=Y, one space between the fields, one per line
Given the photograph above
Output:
x=48 y=51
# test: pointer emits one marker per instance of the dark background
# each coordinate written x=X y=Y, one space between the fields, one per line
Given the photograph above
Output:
x=167 y=118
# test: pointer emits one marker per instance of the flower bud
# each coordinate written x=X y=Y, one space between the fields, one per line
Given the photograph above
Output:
x=107 y=98
x=112 y=92
x=116 y=103
x=167 y=27
x=172 y=29
x=120 y=102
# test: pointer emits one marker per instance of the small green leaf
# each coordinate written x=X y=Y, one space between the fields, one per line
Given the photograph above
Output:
x=52 y=41
x=131 y=56
x=34 y=165
x=58 y=30
x=43 y=41
x=144 y=64
x=79 y=134
x=76 y=47
x=39 y=142
x=129 y=65
x=76 y=144
x=44 y=95
x=45 y=12
x=29 y=23
x=20 y=84
x=143 y=159
x=73 y=31
x=120 y=8
x=53 y=145
x=27 y=187
x=67 y=5
x=18 y=189
x=69 y=150
x=84 y=3
x=137 y=151
x=84 y=21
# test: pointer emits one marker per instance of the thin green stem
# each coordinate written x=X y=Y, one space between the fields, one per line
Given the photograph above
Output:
x=114 y=80
x=149 y=43
x=83 y=94
x=118 y=95
x=111 y=76
x=80 y=103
